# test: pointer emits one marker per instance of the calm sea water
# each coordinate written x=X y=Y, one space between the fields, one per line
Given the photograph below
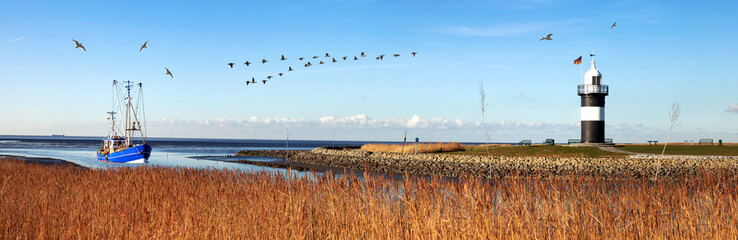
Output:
x=166 y=151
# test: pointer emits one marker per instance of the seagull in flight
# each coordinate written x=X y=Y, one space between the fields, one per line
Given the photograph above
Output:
x=290 y=69
x=314 y=57
x=143 y=46
x=355 y=58
x=269 y=77
x=334 y=59
x=381 y=57
x=264 y=81
x=413 y=53
x=168 y=72
x=247 y=63
x=283 y=58
x=396 y=55
x=231 y=64
x=362 y=54
x=280 y=74
x=547 y=37
x=263 y=61
x=79 y=45
x=613 y=24
x=247 y=83
x=253 y=80
x=301 y=58
x=344 y=57
x=321 y=62
x=327 y=55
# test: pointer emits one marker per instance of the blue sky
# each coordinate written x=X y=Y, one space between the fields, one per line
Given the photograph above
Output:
x=660 y=52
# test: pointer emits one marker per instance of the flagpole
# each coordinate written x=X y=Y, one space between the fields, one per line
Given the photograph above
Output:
x=581 y=70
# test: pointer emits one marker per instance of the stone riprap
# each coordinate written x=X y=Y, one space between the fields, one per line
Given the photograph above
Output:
x=502 y=166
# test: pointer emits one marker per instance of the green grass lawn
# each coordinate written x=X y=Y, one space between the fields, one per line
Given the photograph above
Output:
x=684 y=149
x=539 y=151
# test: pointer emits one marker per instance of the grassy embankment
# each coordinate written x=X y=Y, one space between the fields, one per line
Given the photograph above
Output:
x=414 y=148
x=49 y=202
x=539 y=151
x=496 y=150
x=682 y=149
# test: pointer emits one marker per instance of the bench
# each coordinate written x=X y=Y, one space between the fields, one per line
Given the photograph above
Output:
x=549 y=141
x=705 y=140
x=575 y=141
x=525 y=142
x=652 y=141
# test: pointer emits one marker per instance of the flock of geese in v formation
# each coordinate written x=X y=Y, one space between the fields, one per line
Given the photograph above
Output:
x=308 y=64
x=264 y=61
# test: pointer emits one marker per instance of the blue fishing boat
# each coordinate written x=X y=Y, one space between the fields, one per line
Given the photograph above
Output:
x=122 y=149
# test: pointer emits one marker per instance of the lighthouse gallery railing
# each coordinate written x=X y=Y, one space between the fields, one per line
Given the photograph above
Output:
x=590 y=88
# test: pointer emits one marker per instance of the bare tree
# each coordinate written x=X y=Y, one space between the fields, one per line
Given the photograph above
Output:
x=483 y=107
x=673 y=122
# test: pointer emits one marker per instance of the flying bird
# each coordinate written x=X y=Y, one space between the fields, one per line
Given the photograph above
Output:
x=327 y=55
x=547 y=37
x=290 y=69
x=613 y=24
x=314 y=57
x=269 y=77
x=79 y=45
x=381 y=57
x=263 y=61
x=362 y=54
x=168 y=72
x=143 y=46
x=283 y=58
x=355 y=58
x=334 y=59
x=247 y=63
x=231 y=64
x=264 y=81
x=301 y=58
x=321 y=62
x=247 y=83
x=280 y=74
x=344 y=57
x=396 y=55
x=253 y=80
x=413 y=53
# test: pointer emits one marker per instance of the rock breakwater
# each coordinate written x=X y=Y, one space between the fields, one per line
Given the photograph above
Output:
x=503 y=166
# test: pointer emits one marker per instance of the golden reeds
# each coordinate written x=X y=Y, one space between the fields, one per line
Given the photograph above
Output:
x=43 y=202
x=414 y=148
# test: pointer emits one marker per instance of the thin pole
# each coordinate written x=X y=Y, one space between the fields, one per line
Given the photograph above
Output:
x=288 y=145
x=581 y=70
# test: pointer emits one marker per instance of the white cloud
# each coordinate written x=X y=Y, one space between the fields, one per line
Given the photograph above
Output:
x=503 y=30
x=11 y=41
x=360 y=127
x=732 y=107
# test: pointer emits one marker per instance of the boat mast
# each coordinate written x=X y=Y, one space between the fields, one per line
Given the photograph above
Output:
x=128 y=126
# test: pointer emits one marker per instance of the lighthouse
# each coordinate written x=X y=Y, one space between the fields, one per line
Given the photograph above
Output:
x=593 y=93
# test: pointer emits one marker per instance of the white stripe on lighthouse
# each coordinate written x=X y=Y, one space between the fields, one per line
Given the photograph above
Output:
x=593 y=114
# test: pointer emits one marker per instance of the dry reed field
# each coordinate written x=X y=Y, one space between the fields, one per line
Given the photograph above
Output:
x=42 y=202
x=412 y=148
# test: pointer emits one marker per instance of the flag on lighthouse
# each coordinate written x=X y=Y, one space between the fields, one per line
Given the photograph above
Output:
x=578 y=60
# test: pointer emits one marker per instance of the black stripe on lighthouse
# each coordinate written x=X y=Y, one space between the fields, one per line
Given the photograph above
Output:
x=593 y=118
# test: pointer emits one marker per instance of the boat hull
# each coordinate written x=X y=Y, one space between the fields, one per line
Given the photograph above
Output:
x=136 y=154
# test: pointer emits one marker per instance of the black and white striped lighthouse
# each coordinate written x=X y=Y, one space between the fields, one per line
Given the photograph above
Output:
x=593 y=94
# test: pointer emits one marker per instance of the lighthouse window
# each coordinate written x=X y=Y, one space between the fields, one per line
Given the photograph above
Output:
x=596 y=80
